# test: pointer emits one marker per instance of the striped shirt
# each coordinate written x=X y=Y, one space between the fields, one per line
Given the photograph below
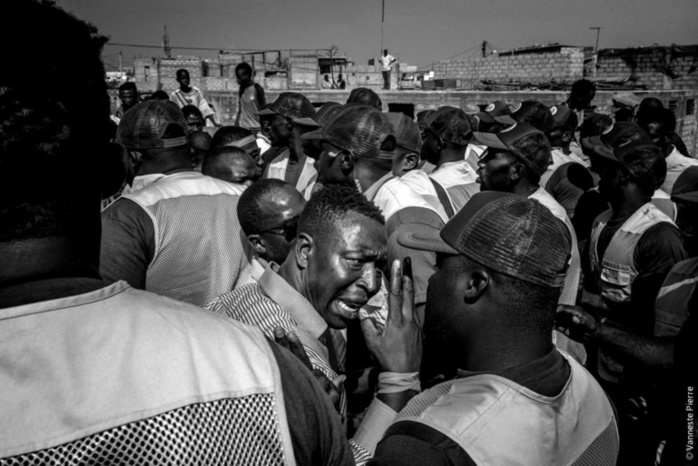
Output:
x=257 y=304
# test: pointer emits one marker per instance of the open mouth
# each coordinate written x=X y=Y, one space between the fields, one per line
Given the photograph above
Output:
x=348 y=309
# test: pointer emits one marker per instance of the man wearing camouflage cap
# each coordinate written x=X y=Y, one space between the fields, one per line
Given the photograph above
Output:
x=358 y=149
x=178 y=236
x=633 y=245
x=514 y=162
x=291 y=164
x=446 y=138
x=513 y=397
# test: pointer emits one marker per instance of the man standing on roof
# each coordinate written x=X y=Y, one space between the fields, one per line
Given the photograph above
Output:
x=386 y=66
x=191 y=95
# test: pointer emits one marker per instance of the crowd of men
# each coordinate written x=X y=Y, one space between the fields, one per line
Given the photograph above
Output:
x=514 y=286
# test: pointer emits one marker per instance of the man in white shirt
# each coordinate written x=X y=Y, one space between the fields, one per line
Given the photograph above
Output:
x=386 y=66
x=191 y=95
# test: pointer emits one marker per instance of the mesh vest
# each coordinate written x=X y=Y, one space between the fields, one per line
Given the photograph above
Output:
x=308 y=177
x=616 y=271
x=122 y=376
x=497 y=421
x=200 y=252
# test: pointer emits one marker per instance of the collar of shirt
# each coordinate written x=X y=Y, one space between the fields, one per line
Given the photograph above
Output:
x=373 y=190
x=141 y=181
x=453 y=174
x=258 y=267
x=676 y=160
x=546 y=375
x=283 y=294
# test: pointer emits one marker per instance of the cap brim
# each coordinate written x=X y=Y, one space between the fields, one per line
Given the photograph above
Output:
x=484 y=116
x=424 y=238
x=266 y=111
x=312 y=135
x=505 y=120
x=490 y=140
x=596 y=145
x=306 y=121
x=691 y=197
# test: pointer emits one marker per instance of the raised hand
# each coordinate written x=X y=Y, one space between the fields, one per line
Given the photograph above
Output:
x=398 y=347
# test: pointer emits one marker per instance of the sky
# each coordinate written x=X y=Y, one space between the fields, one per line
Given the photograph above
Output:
x=417 y=32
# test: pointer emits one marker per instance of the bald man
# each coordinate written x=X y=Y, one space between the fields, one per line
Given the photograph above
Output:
x=200 y=144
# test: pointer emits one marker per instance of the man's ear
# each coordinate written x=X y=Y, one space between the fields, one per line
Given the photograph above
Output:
x=410 y=162
x=346 y=160
x=257 y=244
x=474 y=282
x=517 y=171
x=303 y=247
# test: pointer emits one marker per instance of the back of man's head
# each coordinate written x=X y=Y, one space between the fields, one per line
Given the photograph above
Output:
x=253 y=210
x=327 y=209
x=53 y=129
x=228 y=135
x=230 y=164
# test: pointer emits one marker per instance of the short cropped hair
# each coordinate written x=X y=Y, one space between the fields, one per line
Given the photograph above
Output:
x=159 y=95
x=583 y=86
x=253 y=219
x=228 y=134
x=329 y=206
x=189 y=110
x=50 y=127
x=128 y=86
x=180 y=71
x=243 y=66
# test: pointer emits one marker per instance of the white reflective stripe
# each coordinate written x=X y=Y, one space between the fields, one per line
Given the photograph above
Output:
x=668 y=289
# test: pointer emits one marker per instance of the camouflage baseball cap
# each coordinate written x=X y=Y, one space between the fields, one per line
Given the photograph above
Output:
x=146 y=126
x=524 y=141
x=452 y=125
x=360 y=129
x=506 y=233
x=290 y=105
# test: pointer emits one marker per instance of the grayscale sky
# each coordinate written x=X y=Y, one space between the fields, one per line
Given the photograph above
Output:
x=418 y=32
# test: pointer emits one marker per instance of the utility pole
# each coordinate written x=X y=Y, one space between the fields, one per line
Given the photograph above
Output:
x=121 y=69
x=596 y=47
x=382 y=21
x=166 y=44
x=484 y=48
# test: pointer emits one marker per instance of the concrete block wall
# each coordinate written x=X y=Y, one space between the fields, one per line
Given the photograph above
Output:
x=646 y=64
x=567 y=64
x=303 y=73
x=169 y=67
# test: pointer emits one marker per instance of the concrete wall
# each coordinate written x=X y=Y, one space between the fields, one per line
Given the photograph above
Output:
x=146 y=74
x=647 y=64
x=565 y=64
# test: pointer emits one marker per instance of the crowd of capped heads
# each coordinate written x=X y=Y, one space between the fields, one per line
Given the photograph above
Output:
x=501 y=282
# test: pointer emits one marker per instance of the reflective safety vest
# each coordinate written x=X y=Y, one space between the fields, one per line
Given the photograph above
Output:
x=308 y=177
x=200 y=252
x=616 y=271
x=497 y=421
x=120 y=376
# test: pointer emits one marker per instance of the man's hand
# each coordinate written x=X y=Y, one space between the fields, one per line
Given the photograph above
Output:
x=576 y=323
x=398 y=348
x=291 y=342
